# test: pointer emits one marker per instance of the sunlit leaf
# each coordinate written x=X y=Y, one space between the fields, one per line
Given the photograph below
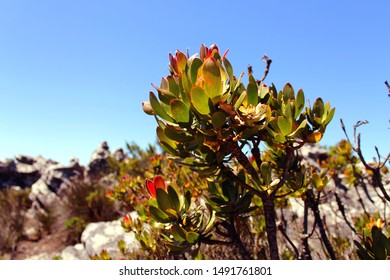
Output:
x=179 y=234
x=192 y=237
x=210 y=79
x=158 y=109
x=314 y=137
x=288 y=92
x=181 y=112
x=159 y=215
x=163 y=200
x=285 y=125
x=200 y=100
x=252 y=94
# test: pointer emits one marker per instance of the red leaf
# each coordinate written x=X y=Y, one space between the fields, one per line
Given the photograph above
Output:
x=151 y=188
x=159 y=182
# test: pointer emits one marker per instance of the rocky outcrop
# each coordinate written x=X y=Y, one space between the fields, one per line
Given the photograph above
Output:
x=48 y=183
x=101 y=236
x=45 y=175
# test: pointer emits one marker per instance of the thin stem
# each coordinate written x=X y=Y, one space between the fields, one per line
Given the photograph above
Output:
x=388 y=87
x=268 y=62
x=282 y=229
x=376 y=176
x=230 y=175
x=313 y=204
x=305 y=235
x=242 y=159
x=286 y=168
x=342 y=210
x=256 y=153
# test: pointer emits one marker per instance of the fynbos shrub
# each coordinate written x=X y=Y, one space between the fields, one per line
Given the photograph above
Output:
x=243 y=138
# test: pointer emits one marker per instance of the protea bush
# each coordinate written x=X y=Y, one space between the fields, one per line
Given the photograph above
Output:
x=231 y=164
x=243 y=138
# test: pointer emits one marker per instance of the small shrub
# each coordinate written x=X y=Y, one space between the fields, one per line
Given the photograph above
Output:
x=76 y=226
x=13 y=204
x=86 y=202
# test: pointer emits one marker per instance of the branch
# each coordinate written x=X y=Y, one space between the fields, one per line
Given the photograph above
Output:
x=313 y=204
x=305 y=236
x=286 y=169
x=233 y=147
x=388 y=87
x=342 y=210
x=230 y=175
x=268 y=62
x=282 y=230
x=377 y=177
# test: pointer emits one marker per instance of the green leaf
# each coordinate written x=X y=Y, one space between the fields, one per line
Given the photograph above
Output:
x=251 y=79
x=285 y=125
x=181 y=61
x=163 y=92
x=173 y=86
x=211 y=220
x=200 y=100
x=329 y=117
x=266 y=173
x=361 y=251
x=167 y=148
x=288 y=109
x=228 y=67
x=208 y=171
x=163 y=200
x=174 y=198
x=252 y=94
x=172 y=214
x=192 y=237
x=299 y=130
x=195 y=64
x=177 y=249
x=264 y=90
x=288 y=92
x=158 y=109
x=240 y=100
x=274 y=91
x=314 y=137
x=317 y=182
x=380 y=245
x=218 y=119
x=164 y=138
x=181 y=112
x=211 y=79
x=177 y=135
x=159 y=215
x=280 y=138
x=179 y=234
x=299 y=103
x=184 y=81
x=318 y=108
x=187 y=200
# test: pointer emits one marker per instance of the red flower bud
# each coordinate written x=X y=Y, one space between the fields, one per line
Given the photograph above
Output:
x=157 y=183
x=173 y=63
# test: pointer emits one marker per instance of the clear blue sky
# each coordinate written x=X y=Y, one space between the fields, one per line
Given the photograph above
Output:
x=74 y=73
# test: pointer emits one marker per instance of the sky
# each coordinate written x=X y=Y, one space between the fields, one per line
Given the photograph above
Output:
x=75 y=73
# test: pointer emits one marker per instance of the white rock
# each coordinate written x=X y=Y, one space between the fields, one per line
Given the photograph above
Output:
x=75 y=252
x=40 y=191
x=105 y=236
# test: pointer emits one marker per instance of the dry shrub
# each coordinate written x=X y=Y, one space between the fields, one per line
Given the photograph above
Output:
x=13 y=204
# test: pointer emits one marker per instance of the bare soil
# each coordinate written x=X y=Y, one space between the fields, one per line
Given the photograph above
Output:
x=49 y=245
